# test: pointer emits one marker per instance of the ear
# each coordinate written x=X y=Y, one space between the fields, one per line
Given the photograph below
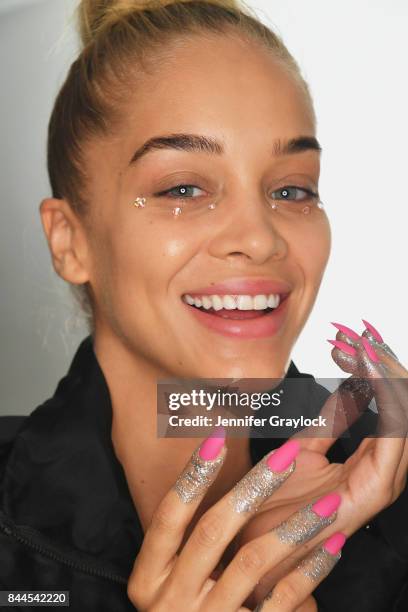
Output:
x=66 y=240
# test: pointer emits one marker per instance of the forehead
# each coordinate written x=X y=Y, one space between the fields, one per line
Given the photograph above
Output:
x=225 y=82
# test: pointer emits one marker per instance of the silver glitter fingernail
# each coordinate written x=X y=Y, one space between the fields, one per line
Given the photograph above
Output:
x=302 y=525
x=318 y=564
x=197 y=476
x=260 y=482
x=382 y=345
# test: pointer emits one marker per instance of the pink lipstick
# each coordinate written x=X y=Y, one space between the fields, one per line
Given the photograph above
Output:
x=241 y=307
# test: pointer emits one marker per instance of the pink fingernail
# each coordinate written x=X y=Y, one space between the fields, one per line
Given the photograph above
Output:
x=325 y=506
x=335 y=543
x=370 y=350
x=347 y=331
x=281 y=459
x=343 y=346
x=372 y=329
x=211 y=447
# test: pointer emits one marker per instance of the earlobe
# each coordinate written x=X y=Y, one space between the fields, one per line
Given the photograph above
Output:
x=66 y=240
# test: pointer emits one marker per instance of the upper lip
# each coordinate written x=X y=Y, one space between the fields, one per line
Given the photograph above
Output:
x=244 y=286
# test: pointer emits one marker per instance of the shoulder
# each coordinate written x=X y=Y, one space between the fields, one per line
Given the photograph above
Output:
x=9 y=428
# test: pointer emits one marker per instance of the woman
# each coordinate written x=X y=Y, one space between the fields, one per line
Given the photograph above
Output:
x=184 y=165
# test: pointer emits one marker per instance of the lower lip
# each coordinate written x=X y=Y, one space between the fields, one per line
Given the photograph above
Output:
x=258 y=327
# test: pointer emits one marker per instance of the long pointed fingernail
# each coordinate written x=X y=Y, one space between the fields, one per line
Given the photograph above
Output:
x=347 y=331
x=370 y=350
x=335 y=543
x=281 y=459
x=372 y=329
x=202 y=468
x=308 y=521
x=264 y=478
x=211 y=447
x=321 y=561
x=343 y=346
x=325 y=506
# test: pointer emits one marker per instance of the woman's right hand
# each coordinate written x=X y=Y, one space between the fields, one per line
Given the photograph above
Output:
x=165 y=579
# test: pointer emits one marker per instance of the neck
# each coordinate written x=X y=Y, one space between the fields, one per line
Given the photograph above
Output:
x=152 y=464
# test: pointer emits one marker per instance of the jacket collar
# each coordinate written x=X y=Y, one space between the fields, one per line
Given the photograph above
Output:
x=63 y=477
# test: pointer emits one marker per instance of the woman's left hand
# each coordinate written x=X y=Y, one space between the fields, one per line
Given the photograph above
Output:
x=374 y=476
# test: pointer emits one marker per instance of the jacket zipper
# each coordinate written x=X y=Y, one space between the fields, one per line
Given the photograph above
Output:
x=13 y=531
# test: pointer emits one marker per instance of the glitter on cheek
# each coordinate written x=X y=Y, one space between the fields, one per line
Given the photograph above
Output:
x=318 y=564
x=302 y=526
x=260 y=482
x=197 y=476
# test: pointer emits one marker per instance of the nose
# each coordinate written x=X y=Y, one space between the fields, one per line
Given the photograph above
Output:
x=247 y=231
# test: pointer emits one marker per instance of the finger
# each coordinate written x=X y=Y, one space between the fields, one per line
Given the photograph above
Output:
x=219 y=525
x=293 y=590
x=171 y=518
x=392 y=412
x=265 y=552
x=345 y=405
x=372 y=334
x=354 y=394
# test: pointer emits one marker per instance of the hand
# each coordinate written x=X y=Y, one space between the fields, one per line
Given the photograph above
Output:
x=374 y=476
x=164 y=578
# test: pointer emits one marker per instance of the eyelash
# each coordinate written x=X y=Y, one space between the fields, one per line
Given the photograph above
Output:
x=311 y=194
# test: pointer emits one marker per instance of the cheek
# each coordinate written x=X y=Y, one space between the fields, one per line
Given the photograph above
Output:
x=311 y=249
x=140 y=259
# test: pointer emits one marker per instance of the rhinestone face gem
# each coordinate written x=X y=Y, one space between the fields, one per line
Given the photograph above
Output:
x=140 y=202
x=176 y=211
x=211 y=206
x=306 y=210
x=274 y=206
x=320 y=204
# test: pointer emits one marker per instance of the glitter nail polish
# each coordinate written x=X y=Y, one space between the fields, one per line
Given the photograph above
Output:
x=261 y=481
x=308 y=521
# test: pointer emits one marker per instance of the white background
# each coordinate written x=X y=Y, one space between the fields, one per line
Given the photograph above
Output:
x=354 y=56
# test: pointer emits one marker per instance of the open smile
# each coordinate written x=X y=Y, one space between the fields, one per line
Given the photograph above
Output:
x=248 y=314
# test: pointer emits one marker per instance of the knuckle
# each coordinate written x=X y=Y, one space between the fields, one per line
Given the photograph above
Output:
x=137 y=593
x=386 y=495
x=250 y=559
x=286 y=593
x=164 y=519
x=209 y=530
x=140 y=589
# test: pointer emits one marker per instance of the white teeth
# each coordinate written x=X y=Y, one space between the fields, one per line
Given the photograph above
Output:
x=229 y=302
x=260 y=302
x=245 y=302
x=207 y=303
x=216 y=302
x=234 y=302
x=273 y=301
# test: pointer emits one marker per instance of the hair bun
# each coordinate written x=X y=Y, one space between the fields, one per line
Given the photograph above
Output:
x=95 y=15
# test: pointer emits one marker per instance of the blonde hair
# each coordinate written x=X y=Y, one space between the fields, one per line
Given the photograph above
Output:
x=117 y=36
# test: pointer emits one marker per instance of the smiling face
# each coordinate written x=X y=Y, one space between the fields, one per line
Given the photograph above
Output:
x=147 y=263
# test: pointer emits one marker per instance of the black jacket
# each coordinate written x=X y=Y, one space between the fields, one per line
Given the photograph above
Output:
x=67 y=520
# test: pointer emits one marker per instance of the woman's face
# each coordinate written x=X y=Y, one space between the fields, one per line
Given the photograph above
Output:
x=144 y=261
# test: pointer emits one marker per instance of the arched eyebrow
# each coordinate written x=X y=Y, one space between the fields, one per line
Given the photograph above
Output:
x=205 y=144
